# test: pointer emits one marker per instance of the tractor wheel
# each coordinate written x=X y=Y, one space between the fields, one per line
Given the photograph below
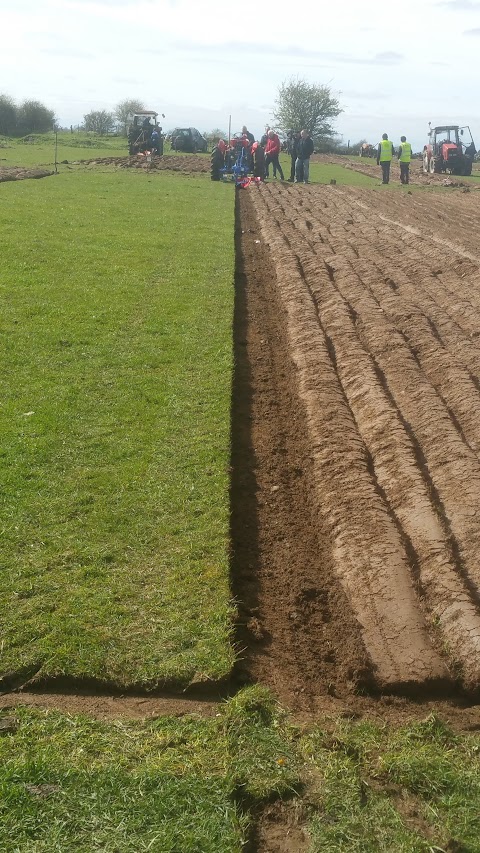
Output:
x=425 y=164
x=467 y=169
x=216 y=163
x=432 y=166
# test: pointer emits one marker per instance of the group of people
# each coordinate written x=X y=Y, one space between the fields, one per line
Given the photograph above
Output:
x=386 y=153
x=266 y=153
x=300 y=147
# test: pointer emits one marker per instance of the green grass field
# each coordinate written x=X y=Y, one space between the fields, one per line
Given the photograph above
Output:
x=40 y=151
x=193 y=785
x=77 y=785
x=117 y=363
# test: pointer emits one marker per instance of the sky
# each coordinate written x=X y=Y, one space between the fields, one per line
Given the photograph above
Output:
x=393 y=67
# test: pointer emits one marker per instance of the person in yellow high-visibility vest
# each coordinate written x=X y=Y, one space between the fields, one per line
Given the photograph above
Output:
x=385 y=154
x=404 y=156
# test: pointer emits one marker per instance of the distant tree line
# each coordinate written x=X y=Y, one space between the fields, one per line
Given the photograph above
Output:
x=103 y=122
x=34 y=117
x=22 y=119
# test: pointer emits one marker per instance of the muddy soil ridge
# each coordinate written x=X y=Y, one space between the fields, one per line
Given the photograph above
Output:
x=378 y=321
x=19 y=173
x=187 y=163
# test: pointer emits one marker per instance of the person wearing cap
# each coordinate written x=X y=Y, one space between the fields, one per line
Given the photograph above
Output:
x=385 y=154
x=404 y=157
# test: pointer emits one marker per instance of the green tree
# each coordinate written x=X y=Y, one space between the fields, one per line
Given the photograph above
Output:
x=8 y=116
x=304 y=105
x=99 y=121
x=216 y=134
x=125 y=109
x=34 y=117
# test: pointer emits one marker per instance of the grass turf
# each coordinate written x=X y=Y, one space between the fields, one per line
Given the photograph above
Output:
x=74 y=784
x=116 y=307
x=39 y=149
x=412 y=789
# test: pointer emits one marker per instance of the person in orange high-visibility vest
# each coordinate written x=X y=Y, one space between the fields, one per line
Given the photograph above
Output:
x=404 y=156
x=385 y=154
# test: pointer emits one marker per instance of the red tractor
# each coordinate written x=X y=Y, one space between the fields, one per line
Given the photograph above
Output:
x=368 y=150
x=446 y=151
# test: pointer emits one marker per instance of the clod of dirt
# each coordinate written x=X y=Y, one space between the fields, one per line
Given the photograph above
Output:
x=43 y=790
x=8 y=725
x=281 y=829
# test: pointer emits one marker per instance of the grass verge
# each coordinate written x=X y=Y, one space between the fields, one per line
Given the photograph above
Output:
x=415 y=789
x=191 y=784
x=169 y=785
x=39 y=149
x=116 y=307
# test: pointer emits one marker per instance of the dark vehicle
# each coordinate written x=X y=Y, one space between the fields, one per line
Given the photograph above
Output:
x=447 y=151
x=188 y=139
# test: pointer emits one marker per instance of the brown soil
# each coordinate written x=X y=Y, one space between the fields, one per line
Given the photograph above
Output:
x=17 y=173
x=356 y=470
x=187 y=163
x=109 y=706
x=281 y=828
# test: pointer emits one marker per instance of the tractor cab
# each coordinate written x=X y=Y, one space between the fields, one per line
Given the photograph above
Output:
x=140 y=131
x=146 y=119
x=450 y=149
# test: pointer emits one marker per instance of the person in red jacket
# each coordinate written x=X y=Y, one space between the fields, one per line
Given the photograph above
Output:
x=272 y=150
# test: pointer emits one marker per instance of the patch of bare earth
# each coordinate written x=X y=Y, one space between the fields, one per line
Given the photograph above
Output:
x=18 y=173
x=281 y=828
x=187 y=163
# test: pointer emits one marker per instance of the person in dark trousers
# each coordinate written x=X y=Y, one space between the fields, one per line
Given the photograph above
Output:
x=304 y=152
x=272 y=151
x=293 y=141
x=385 y=154
x=258 y=161
x=155 y=141
x=404 y=156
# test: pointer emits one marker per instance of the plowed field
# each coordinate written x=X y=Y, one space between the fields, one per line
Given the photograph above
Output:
x=361 y=326
x=173 y=163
